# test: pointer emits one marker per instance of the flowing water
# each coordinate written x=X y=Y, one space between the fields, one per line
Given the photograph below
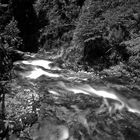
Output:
x=64 y=82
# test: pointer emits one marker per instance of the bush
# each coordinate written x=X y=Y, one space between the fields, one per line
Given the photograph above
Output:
x=10 y=36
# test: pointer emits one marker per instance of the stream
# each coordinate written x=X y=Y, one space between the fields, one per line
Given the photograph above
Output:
x=114 y=99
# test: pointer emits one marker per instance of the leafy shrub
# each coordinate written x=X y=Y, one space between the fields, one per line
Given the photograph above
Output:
x=10 y=35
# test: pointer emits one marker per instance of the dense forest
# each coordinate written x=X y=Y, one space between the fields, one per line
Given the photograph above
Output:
x=74 y=26
x=101 y=36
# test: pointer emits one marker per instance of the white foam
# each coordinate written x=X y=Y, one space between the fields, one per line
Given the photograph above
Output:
x=87 y=89
x=132 y=106
x=64 y=133
x=43 y=63
x=133 y=110
x=37 y=72
x=102 y=93
x=75 y=91
x=53 y=92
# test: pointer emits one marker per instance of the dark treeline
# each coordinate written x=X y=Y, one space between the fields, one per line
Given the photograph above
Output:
x=105 y=33
x=28 y=23
x=24 y=24
x=41 y=23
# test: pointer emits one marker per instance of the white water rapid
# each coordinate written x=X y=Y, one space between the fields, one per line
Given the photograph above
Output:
x=63 y=79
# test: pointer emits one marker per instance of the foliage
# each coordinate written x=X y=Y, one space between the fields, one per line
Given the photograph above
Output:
x=10 y=36
x=113 y=22
x=57 y=22
x=5 y=76
x=134 y=59
x=9 y=39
